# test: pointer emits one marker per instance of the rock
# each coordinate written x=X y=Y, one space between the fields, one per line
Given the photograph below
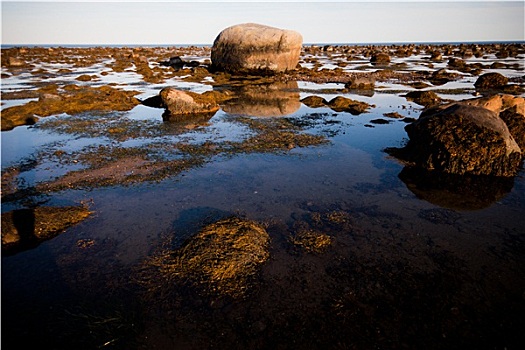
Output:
x=187 y=103
x=498 y=103
x=442 y=76
x=250 y=47
x=436 y=56
x=314 y=101
x=516 y=124
x=73 y=99
x=491 y=81
x=424 y=98
x=343 y=104
x=462 y=139
x=26 y=228
x=361 y=83
x=380 y=58
x=16 y=62
x=220 y=260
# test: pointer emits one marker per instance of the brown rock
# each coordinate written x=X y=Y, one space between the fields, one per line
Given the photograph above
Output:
x=343 y=104
x=251 y=47
x=462 y=139
x=491 y=81
x=314 y=101
x=187 y=103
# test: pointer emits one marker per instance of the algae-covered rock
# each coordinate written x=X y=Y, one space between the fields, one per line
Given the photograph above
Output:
x=462 y=139
x=72 y=99
x=26 y=228
x=220 y=260
x=344 y=104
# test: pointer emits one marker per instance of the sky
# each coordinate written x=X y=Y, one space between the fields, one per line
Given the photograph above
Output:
x=199 y=22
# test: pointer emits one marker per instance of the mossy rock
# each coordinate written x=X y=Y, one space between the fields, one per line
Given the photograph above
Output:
x=220 y=260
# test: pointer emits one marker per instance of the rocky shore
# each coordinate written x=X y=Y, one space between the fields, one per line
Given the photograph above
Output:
x=131 y=123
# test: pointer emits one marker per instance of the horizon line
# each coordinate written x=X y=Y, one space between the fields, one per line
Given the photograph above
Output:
x=520 y=41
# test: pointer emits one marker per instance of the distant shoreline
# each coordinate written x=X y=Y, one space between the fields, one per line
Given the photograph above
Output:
x=9 y=46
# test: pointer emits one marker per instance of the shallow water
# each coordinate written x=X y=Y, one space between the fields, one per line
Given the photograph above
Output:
x=413 y=265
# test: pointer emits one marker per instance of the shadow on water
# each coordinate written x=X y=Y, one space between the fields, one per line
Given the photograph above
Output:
x=192 y=220
x=457 y=192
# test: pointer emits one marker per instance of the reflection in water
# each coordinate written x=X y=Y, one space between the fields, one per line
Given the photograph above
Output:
x=265 y=100
x=458 y=192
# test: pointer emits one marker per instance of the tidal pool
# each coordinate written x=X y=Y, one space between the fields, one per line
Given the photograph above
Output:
x=408 y=260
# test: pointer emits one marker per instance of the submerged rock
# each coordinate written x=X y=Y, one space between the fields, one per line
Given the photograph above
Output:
x=26 y=228
x=220 y=260
x=251 y=47
x=462 y=139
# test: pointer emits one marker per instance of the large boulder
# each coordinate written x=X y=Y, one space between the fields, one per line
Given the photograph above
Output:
x=250 y=47
x=462 y=139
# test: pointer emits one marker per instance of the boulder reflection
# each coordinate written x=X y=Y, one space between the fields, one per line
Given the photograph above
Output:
x=265 y=100
x=458 y=192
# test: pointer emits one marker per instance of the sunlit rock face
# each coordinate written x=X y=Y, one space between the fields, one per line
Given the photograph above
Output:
x=265 y=100
x=250 y=47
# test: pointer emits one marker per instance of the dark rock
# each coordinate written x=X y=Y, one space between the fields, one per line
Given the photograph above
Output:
x=361 y=83
x=462 y=139
x=380 y=58
x=379 y=121
x=255 y=48
x=442 y=76
x=491 y=81
x=516 y=124
x=424 y=98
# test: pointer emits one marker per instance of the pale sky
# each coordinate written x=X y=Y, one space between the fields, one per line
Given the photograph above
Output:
x=196 y=22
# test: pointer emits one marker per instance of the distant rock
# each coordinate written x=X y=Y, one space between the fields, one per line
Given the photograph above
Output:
x=380 y=58
x=491 y=81
x=424 y=98
x=361 y=83
x=256 y=48
x=16 y=62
